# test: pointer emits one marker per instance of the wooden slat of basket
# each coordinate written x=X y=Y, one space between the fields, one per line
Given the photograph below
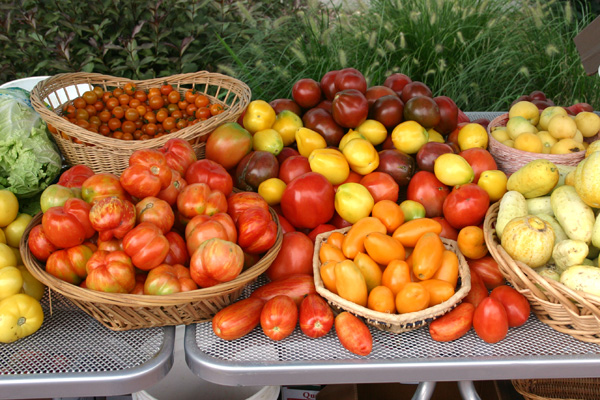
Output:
x=565 y=310
x=558 y=389
x=396 y=323
x=130 y=311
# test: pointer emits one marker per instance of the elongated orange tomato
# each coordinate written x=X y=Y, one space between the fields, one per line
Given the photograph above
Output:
x=327 y=272
x=329 y=252
x=369 y=269
x=383 y=248
x=382 y=299
x=413 y=297
x=439 y=291
x=350 y=283
x=336 y=239
x=448 y=271
x=411 y=231
x=396 y=275
x=355 y=237
x=389 y=213
x=427 y=255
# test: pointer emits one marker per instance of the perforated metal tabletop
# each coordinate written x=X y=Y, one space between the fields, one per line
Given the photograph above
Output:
x=73 y=355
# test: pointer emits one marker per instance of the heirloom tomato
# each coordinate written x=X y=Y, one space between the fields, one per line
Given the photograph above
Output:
x=211 y=173
x=20 y=315
x=271 y=190
x=308 y=140
x=279 y=317
x=285 y=153
x=422 y=109
x=146 y=245
x=75 y=176
x=375 y=92
x=199 y=199
x=397 y=81
x=179 y=154
x=466 y=205
x=397 y=164
x=11 y=281
x=308 y=200
x=281 y=105
x=353 y=334
x=448 y=231
x=321 y=121
x=306 y=92
x=490 y=320
x=31 y=285
x=255 y=168
x=259 y=115
x=102 y=185
x=201 y=228
x=110 y=272
x=295 y=257
x=39 y=244
x=9 y=207
x=257 y=232
x=350 y=78
x=388 y=110
x=148 y=173
x=69 y=264
x=425 y=188
x=156 y=211
x=55 y=196
x=328 y=84
x=312 y=235
x=516 y=305
x=112 y=217
x=13 y=232
x=228 y=144
x=172 y=191
x=227 y=222
x=315 y=316
x=353 y=201
x=286 y=124
x=238 y=202
x=381 y=185
x=110 y=245
x=238 y=319
x=62 y=228
x=414 y=89
x=169 y=279
x=330 y=163
x=215 y=261
x=430 y=151
x=296 y=286
x=480 y=160
x=292 y=167
x=178 y=253
x=350 y=108
x=448 y=115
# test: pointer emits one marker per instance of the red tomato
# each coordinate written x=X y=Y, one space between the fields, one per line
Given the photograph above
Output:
x=353 y=334
x=490 y=320
x=308 y=201
x=257 y=232
x=199 y=199
x=178 y=253
x=426 y=189
x=295 y=257
x=448 y=115
x=306 y=92
x=102 y=185
x=238 y=319
x=211 y=173
x=338 y=221
x=69 y=264
x=516 y=305
x=328 y=84
x=352 y=177
x=179 y=154
x=146 y=245
x=381 y=185
x=172 y=191
x=349 y=108
x=350 y=78
x=227 y=222
x=480 y=160
x=487 y=269
x=478 y=290
x=39 y=244
x=63 y=229
x=279 y=317
x=316 y=317
x=253 y=169
x=239 y=202
x=215 y=261
x=389 y=110
x=110 y=272
x=201 y=228
x=284 y=154
x=448 y=231
x=112 y=217
x=156 y=211
x=285 y=225
x=285 y=104
x=375 y=92
x=75 y=176
x=228 y=144
x=320 y=120
x=320 y=229
x=293 y=167
x=454 y=324
x=414 y=89
x=80 y=210
x=168 y=279
x=296 y=286
x=147 y=174
x=466 y=205
x=429 y=152
x=397 y=81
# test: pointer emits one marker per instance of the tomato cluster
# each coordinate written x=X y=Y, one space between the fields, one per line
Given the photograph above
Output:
x=129 y=113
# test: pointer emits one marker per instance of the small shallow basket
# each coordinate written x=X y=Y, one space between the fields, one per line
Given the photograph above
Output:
x=396 y=323
x=558 y=389
x=509 y=160
x=572 y=312
x=121 y=312
x=105 y=154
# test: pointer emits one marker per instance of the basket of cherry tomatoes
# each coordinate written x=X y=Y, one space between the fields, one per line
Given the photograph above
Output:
x=100 y=120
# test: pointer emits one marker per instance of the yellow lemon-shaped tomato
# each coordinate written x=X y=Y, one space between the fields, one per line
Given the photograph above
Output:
x=362 y=156
x=588 y=123
x=435 y=136
x=412 y=210
x=353 y=201
x=351 y=134
x=272 y=190
x=7 y=257
x=268 y=140
x=14 y=230
x=547 y=114
x=308 y=140
x=472 y=135
x=494 y=183
x=9 y=207
x=259 y=115
x=287 y=123
x=373 y=130
x=529 y=142
x=11 y=281
x=527 y=110
x=409 y=137
x=562 y=127
x=330 y=163
x=452 y=169
x=500 y=133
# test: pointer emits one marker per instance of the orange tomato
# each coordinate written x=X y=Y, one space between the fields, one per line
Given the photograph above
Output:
x=396 y=275
x=409 y=232
x=427 y=255
x=327 y=272
x=383 y=248
x=439 y=291
x=381 y=299
x=350 y=283
x=448 y=271
x=355 y=237
x=471 y=242
x=336 y=239
x=411 y=298
x=329 y=252
x=389 y=213
x=369 y=269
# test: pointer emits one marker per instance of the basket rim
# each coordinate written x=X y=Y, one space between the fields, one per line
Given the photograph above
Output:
x=43 y=89
x=75 y=292
x=406 y=321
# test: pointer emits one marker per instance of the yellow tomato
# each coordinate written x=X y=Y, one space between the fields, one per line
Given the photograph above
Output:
x=494 y=183
x=351 y=134
x=472 y=135
x=9 y=207
x=7 y=257
x=330 y=163
x=362 y=156
x=308 y=140
x=15 y=229
x=435 y=136
x=268 y=140
x=287 y=123
x=20 y=316
x=409 y=137
x=2 y=236
x=31 y=286
x=272 y=190
x=11 y=281
x=373 y=130
x=259 y=115
x=452 y=169
x=412 y=210
x=17 y=253
x=528 y=141
x=353 y=201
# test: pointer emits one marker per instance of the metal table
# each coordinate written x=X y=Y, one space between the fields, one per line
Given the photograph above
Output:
x=73 y=355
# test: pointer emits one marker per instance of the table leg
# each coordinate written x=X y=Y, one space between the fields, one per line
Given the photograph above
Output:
x=467 y=390
x=424 y=391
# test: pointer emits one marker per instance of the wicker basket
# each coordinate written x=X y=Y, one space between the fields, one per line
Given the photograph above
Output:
x=509 y=160
x=565 y=310
x=105 y=154
x=558 y=389
x=121 y=312
x=396 y=323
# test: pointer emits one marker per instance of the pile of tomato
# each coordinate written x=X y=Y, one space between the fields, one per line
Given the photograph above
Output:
x=129 y=113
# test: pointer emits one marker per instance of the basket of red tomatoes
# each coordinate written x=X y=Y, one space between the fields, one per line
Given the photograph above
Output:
x=100 y=120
